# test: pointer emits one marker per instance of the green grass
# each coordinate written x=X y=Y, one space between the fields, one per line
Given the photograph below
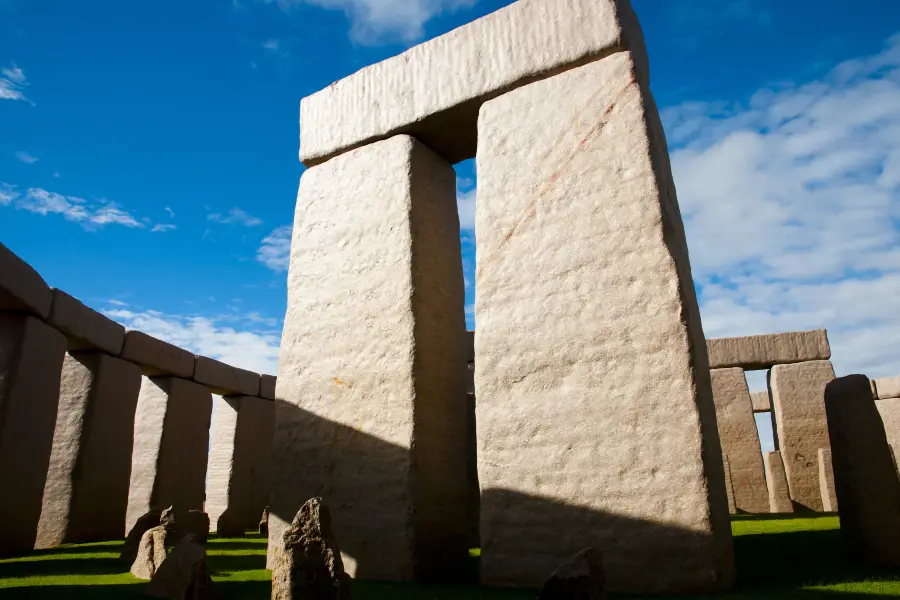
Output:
x=777 y=558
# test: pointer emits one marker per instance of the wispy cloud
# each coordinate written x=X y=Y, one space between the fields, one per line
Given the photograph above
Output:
x=12 y=84
x=89 y=214
x=26 y=158
x=465 y=203
x=8 y=193
x=162 y=228
x=275 y=250
x=170 y=211
x=235 y=215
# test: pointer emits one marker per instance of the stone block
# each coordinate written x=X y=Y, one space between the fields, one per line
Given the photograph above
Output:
x=826 y=481
x=224 y=379
x=776 y=479
x=376 y=244
x=21 y=288
x=156 y=357
x=433 y=91
x=889 y=410
x=267 y=387
x=85 y=328
x=171 y=444
x=757 y=352
x=739 y=439
x=798 y=393
x=761 y=401
x=86 y=492
x=238 y=471
x=865 y=478
x=31 y=357
x=595 y=409
x=887 y=387
x=729 y=488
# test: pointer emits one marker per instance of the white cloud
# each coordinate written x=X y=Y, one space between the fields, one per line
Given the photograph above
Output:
x=465 y=206
x=275 y=250
x=792 y=209
x=235 y=215
x=12 y=83
x=247 y=348
x=170 y=211
x=8 y=193
x=162 y=228
x=26 y=158
x=90 y=215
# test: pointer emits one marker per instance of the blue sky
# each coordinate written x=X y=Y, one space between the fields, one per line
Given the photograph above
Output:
x=148 y=156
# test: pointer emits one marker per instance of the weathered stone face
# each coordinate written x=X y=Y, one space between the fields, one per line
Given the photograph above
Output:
x=890 y=416
x=763 y=351
x=184 y=574
x=887 y=387
x=146 y=521
x=151 y=553
x=21 y=288
x=581 y=578
x=221 y=378
x=156 y=357
x=761 y=401
x=826 y=481
x=596 y=348
x=779 y=496
x=85 y=328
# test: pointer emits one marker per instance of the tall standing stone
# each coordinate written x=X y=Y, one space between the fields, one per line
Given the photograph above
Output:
x=371 y=409
x=171 y=444
x=779 y=495
x=596 y=422
x=865 y=479
x=798 y=408
x=238 y=472
x=86 y=493
x=31 y=357
x=740 y=440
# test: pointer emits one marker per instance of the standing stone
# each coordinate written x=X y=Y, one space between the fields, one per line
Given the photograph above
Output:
x=865 y=478
x=308 y=565
x=596 y=422
x=740 y=440
x=889 y=410
x=86 y=493
x=826 y=481
x=151 y=553
x=798 y=393
x=146 y=521
x=171 y=442
x=779 y=496
x=371 y=385
x=729 y=487
x=184 y=575
x=264 y=522
x=238 y=473
x=580 y=578
x=31 y=358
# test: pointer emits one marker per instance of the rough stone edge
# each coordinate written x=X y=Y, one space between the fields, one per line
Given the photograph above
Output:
x=143 y=350
x=719 y=346
x=85 y=328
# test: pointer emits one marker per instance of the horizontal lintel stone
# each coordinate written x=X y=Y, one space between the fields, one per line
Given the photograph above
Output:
x=85 y=328
x=887 y=387
x=21 y=288
x=225 y=379
x=761 y=401
x=433 y=91
x=763 y=351
x=156 y=357
x=267 y=387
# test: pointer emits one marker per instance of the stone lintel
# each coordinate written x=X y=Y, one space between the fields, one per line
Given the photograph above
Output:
x=887 y=387
x=757 y=352
x=267 y=387
x=21 y=288
x=85 y=328
x=156 y=357
x=225 y=379
x=761 y=401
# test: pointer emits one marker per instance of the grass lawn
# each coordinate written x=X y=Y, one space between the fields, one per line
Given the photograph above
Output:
x=776 y=557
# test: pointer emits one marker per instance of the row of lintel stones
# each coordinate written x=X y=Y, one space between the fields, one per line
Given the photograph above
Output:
x=97 y=423
x=799 y=473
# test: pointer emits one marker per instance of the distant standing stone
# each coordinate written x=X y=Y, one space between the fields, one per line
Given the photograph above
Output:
x=184 y=574
x=309 y=566
x=195 y=522
x=133 y=540
x=581 y=578
x=264 y=522
x=151 y=553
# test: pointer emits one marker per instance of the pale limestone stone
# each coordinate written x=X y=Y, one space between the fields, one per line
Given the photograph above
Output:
x=865 y=478
x=887 y=387
x=596 y=423
x=224 y=379
x=156 y=357
x=739 y=439
x=763 y=351
x=433 y=91
x=373 y=358
x=889 y=410
x=21 y=288
x=85 y=328
x=151 y=553
x=31 y=357
x=798 y=393
x=86 y=492
x=729 y=487
x=776 y=479
x=826 y=481
x=761 y=401
x=267 y=387
x=136 y=532
x=171 y=442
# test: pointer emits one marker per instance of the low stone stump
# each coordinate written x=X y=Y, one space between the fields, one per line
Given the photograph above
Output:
x=264 y=522
x=581 y=578
x=144 y=523
x=151 y=552
x=184 y=574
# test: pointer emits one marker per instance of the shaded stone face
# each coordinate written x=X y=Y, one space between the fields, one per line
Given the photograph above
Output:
x=85 y=328
x=221 y=378
x=21 y=288
x=597 y=349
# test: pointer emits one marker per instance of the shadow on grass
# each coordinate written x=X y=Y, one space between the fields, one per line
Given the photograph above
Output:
x=110 y=547
x=259 y=546
x=47 y=568
x=236 y=563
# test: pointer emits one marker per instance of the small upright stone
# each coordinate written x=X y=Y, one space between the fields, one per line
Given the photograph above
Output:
x=308 y=566
x=826 y=481
x=151 y=553
x=776 y=480
x=264 y=522
x=184 y=574
x=581 y=578
x=145 y=522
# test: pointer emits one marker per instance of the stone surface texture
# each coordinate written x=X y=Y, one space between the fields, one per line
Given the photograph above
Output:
x=371 y=382
x=776 y=479
x=888 y=387
x=21 y=288
x=184 y=575
x=826 y=481
x=85 y=328
x=433 y=91
x=583 y=360
x=148 y=520
x=151 y=553
x=740 y=440
x=171 y=442
x=763 y=351
x=31 y=358
x=224 y=379
x=580 y=578
x=889 y=410
x=156 y=357
x=309 y=564
x=865 y=477
x=729 y=487
x=267 y=386
x=86 y=492
x=761 y=401
x=798 y=392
